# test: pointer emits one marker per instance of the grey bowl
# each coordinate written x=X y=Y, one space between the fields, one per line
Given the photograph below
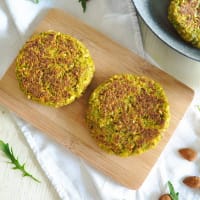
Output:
x=154 y=14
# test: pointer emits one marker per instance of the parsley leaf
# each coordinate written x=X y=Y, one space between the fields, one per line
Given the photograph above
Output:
x=4 y=147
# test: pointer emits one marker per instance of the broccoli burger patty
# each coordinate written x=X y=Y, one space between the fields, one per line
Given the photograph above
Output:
x=127 y=114
x=54 y=68
x=185 y=17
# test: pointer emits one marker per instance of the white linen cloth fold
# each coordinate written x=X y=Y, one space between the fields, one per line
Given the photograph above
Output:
x=71 y=176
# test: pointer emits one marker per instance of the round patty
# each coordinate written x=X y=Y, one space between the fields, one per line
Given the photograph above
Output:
x=185 y=17
x=54 y=68
x=127 y=114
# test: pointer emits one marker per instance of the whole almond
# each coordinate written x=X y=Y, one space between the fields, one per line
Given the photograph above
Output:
x=188 y=153
x=165 y=197
x=192 y=181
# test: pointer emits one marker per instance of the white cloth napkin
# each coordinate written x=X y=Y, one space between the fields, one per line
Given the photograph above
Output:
x=71 y=176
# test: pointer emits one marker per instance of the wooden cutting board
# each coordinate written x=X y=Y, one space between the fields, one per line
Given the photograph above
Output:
x=67 y=125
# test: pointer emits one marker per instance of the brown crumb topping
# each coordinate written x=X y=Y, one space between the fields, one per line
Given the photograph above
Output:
x=51 y=66
x=127 y=114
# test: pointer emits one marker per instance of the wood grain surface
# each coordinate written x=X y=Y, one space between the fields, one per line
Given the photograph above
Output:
x=67 y=125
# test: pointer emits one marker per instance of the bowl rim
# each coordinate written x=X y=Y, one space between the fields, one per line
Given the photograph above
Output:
x=158 y=35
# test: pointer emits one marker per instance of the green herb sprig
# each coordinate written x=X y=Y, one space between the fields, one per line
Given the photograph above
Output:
x=36 y=1
x=83 y=3
x=7 y=150
x=174 y=195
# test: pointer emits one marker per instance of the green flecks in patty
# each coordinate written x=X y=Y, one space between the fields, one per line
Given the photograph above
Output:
x=54 y=68
x=185 y=17
x=127 y=114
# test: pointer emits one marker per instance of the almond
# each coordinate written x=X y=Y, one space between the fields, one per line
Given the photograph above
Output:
x=192 y=181
x=165 y=197
x=188 y=153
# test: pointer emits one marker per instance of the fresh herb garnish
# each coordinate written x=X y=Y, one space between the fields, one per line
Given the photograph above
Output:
x=7 y=150
x=173 y=194
x=83 y=4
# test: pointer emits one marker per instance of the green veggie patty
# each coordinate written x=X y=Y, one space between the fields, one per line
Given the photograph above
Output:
x=54 y=68
x=127 y=114
x=185 y=17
